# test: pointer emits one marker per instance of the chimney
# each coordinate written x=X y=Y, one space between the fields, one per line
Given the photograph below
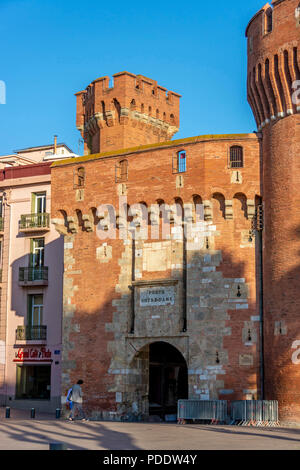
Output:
x=55 y=144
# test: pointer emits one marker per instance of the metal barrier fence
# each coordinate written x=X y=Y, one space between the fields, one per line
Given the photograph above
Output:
x=213 y=411
x=254 y=413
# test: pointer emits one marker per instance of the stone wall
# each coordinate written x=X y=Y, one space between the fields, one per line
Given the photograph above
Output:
x=209 y=276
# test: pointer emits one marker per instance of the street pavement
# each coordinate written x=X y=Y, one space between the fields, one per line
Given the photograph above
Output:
x=20 y=432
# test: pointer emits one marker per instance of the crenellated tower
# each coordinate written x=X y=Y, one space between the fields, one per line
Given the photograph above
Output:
x=273 y=94
x=134 y=111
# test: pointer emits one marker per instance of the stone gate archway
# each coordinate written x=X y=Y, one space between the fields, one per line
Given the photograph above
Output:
x=161 y=379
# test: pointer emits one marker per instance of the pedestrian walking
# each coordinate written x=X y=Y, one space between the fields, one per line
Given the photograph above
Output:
x=76 y=398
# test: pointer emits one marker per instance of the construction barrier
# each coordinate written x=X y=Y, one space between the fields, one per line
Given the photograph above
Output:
x=254 y=413
x=214 y=411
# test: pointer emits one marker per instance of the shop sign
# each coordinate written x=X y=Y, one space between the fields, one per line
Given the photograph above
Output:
x=33 y=355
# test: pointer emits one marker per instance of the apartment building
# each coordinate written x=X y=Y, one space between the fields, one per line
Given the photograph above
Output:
x=31 y=282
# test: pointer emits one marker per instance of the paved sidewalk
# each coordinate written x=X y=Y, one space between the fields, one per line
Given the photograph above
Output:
x=20 y=432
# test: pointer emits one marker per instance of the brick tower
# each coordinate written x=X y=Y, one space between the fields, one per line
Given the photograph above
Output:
x=273 y=74
x=134 y=111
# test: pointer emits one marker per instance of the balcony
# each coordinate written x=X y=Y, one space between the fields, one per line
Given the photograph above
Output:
x=1 y=226
x=34 y=223
x=33 y=276
x=31 y=333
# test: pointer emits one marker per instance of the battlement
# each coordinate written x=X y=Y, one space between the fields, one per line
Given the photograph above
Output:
x=274 y=61
x=274 y=17
x=128 y=100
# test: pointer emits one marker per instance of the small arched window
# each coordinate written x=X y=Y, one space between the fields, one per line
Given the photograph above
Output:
x=79 y=179
x=236 y=157
x=122 y=171
x=297 y=15
x=269 y=21
x=133 y=105
x=172 y=118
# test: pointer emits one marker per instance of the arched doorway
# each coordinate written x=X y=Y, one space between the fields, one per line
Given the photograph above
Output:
x=168 y=379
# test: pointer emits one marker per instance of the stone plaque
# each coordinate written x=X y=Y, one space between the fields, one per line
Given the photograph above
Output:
x=157 y=296
x=246 y=360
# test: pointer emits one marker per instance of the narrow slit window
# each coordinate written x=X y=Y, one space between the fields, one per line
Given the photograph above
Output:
x=122 y=171
x=236 y=157
x=269 y=21
x=79 y=178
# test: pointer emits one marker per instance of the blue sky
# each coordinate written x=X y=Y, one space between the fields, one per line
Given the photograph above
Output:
x=50 y=49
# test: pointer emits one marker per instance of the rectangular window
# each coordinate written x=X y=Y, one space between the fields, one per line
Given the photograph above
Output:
x=122 y=171
x=236 y=157
x=79 y=178
x=38 y=203
x=35 y=310
x=37 y=252
x=33 y=382
x=179 y=162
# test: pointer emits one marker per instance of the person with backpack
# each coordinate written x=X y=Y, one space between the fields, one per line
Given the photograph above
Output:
x=76 y=399
x=69 y=399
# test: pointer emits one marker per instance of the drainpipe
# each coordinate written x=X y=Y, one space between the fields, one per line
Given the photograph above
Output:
x=8 y=206
x=260 y=238
x=261 y=311
x=184 y=280
x=132 y=286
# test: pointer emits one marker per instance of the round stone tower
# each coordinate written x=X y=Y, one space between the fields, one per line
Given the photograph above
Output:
x=274 y=96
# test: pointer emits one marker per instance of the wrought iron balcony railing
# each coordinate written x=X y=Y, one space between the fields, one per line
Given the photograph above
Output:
x=35 y=221
x=33 y=274
x=31 y=333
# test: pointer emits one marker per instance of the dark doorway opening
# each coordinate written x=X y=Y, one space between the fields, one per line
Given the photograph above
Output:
x=168 y=379
x=33 y=382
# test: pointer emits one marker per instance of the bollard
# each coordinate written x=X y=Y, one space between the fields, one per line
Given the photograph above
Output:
x=58 y=413
x=32 y=413
x=57 y=446
x=7 y=413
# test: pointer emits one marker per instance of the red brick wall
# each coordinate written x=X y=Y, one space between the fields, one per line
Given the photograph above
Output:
x=150 y=178
x=270 y=94
x=134 y=111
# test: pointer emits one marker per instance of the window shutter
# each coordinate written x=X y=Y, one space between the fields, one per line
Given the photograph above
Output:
x=118 y=172
x=31 y=256
x=33 y=203
x=29 y=310
x=121 y=171
x=175 y=163
x=236 y=157
x=124 y=170
x=182 y=162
